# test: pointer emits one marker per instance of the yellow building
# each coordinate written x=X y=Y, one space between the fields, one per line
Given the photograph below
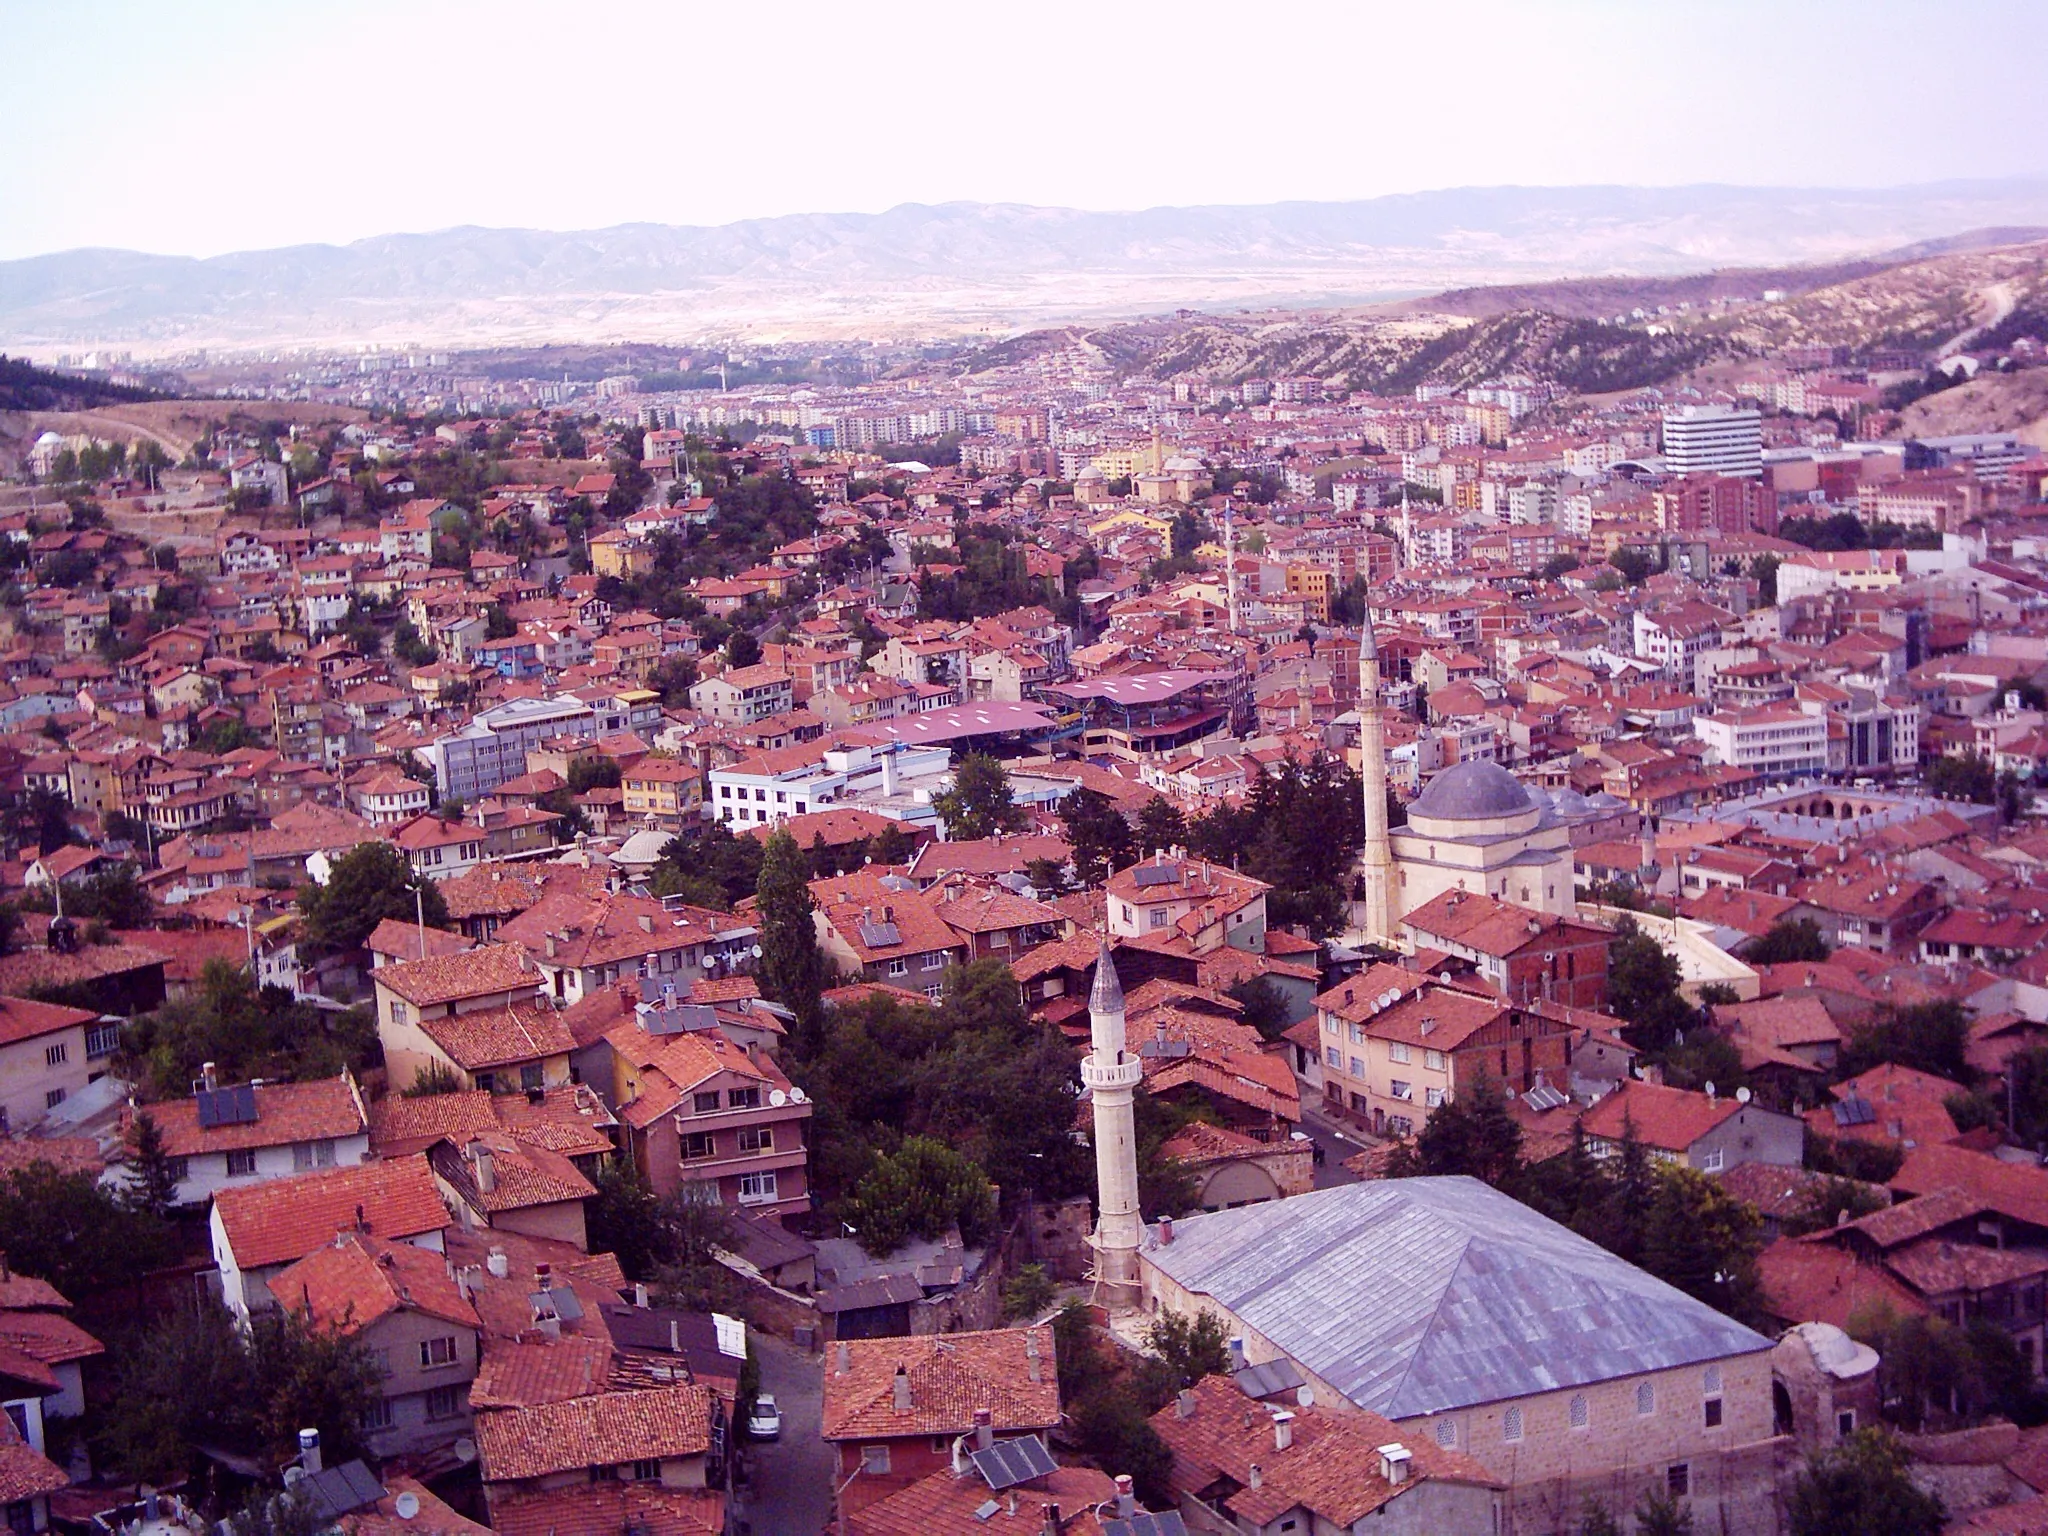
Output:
x=663 y=789
x=1317 y=583
x=621 y=555
x=1130 y=518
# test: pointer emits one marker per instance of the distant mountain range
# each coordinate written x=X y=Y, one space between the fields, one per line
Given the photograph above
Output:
x=958 y=267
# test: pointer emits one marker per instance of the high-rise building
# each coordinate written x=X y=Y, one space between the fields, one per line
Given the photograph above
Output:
x=1713 y=440
x=1111 y=1074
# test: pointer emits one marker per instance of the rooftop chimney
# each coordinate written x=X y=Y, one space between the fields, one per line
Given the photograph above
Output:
x=1283 y=1430
x=675 y=1336
x=543 y=1277
x=309 y=1450
x=984 y=1429
x=1184 y=1403
x=901 y=1387
x=1394 y=1460
x=1166 y=1231
x=845 y=1361
x=1237 y=1360
x=487 y=1177
x=499 y=1266
x=1052 y=1520
x=1031 y=1361
x=640 y=1294
x=1256 y=1477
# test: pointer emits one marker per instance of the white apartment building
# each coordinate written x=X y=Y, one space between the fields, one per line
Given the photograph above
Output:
x=1775 y=741
x=795 y=781
x=1713 y=440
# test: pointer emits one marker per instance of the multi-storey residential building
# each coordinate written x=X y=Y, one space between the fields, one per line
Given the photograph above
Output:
x=1775 y=741
x=47 y=1054
x=402 y=1305
x=745 y=694
x=477 y=1015
x=1391 y=1056
x=699 y=1110
x=1714 y=440
x=223 y=1138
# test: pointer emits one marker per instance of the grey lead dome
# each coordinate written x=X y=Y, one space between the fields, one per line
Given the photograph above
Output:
x=1472 y=791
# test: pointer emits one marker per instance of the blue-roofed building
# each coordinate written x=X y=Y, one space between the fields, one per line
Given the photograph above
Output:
x=1477 y=1324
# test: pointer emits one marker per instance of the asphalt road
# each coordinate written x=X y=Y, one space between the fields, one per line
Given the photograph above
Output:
x=1335 y=1147
x=788 y=1490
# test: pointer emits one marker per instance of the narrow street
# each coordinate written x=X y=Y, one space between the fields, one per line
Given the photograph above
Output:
x=1334 y=1143
x=788 y=1488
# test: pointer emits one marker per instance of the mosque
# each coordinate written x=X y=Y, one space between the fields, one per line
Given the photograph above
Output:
x=1475 y=827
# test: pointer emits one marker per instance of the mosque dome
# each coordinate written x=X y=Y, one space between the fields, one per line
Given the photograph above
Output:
x=1473 y=791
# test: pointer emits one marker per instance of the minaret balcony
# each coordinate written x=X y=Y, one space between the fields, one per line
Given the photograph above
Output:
x=1098 y=1072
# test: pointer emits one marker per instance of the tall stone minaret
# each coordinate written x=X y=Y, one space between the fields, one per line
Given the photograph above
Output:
x=1372 y=752
x=1111 y=1074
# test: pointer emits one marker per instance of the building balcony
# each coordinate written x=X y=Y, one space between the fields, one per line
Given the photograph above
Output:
x=745 y=1162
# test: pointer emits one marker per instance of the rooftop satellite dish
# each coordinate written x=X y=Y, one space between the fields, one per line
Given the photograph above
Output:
x=465 y=1450
x=709 y=961
x=796 y=1095
x=1709 y=1087
x=1305 y=1397
x=407 y=1504
x=293 y=1476
x=778 y=1098
x=1742 y=1095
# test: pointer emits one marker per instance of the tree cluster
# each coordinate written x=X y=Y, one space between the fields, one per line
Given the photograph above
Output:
x=247 y=1031
x=193 y=1378
x=1298 y=830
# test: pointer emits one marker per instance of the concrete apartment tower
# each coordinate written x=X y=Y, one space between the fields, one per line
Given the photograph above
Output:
x=1372 y=751
x=1111 y=1074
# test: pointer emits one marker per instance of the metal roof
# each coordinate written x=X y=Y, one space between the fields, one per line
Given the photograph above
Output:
x=1417 y=1296
x=1269 y=1379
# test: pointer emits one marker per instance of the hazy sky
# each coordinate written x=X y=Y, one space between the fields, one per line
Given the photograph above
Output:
x=216 y=125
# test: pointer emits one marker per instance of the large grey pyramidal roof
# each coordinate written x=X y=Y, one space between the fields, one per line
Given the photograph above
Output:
x=1419 y=1296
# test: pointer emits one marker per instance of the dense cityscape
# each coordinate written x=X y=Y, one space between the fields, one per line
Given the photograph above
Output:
x=1256 y=869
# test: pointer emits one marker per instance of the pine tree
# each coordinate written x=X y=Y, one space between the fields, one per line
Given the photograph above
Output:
x=155 y=1189
x=792 y=966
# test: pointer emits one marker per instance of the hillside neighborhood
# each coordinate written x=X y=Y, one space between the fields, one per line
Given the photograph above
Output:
x=1071 y=939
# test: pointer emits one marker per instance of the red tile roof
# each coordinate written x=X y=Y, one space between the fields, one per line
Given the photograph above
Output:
x=21 y=1019
x=1805 y=1282
x=356 y=1281
x=943 y=1504
x=1332 y=1467
x=608 y=1508
x=483 y=1038
x=281 y=1220
x=451 y=978
x=601 y=1430
x=285 y=1113
x=1667 y=1119
x=950 y=1376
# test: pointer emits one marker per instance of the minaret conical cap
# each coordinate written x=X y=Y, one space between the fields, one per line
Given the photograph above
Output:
x=1108 y=994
